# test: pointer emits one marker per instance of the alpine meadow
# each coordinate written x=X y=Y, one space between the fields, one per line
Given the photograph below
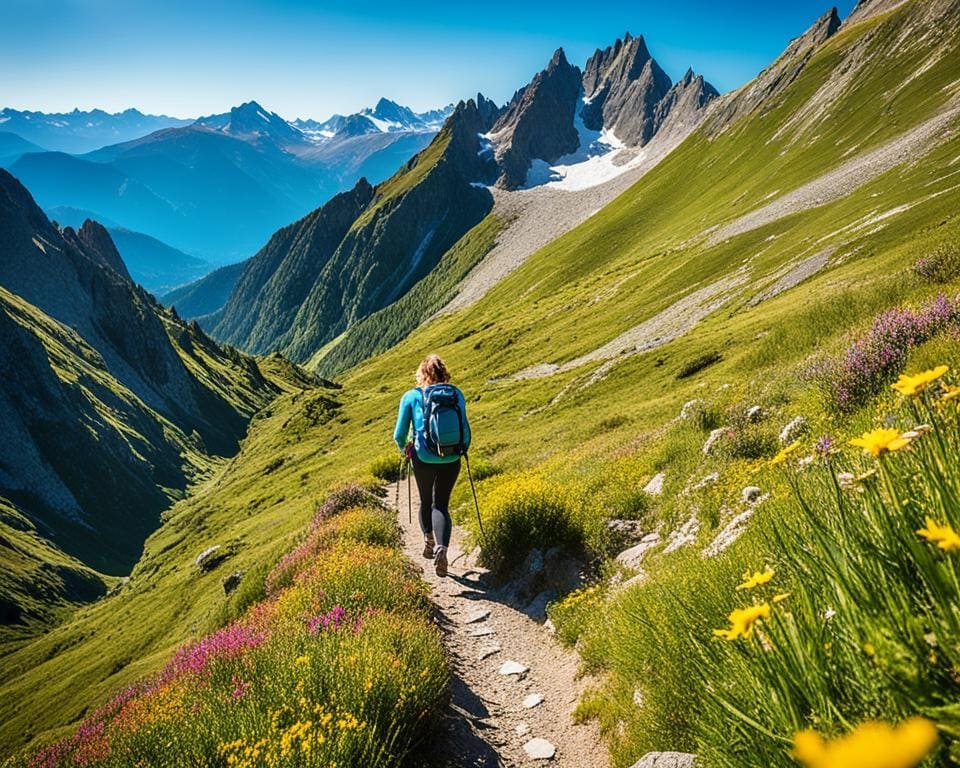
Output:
x=707 y=512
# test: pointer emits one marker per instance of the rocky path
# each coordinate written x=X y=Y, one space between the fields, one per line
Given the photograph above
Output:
x=514 y=688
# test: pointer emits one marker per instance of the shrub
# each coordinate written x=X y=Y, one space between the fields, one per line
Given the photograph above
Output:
x=941 y=266
x=343 y=666
x=386 y=467
x=524 y=513
x=696 y=365
x=750 y=442
x=875 y=358
x=344 y=497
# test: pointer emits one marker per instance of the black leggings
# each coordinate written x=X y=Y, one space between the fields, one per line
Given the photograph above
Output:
x=435 y=483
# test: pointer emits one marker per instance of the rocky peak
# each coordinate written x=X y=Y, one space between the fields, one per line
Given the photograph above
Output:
x=769 y=84
x=538 y=121
x=93 y=240
x=622 y=86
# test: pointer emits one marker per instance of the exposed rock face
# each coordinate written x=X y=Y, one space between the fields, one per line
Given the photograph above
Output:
x=622 y=87
x=683 y=107
x=763 y=91
x=865 y=9
x=538 y=121
x=98 y=409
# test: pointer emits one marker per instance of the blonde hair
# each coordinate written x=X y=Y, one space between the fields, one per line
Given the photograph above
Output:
x=432 y=371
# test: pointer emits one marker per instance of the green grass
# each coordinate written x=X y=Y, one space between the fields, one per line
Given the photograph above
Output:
x=603 y=442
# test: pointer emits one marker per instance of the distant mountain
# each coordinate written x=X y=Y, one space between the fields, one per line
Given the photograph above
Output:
x=204 y=299
x=219 y=187
x=109 y=407
x=78 y=131
x=366 y=250
x=386 y=117
x=155 y=265
x=361 y=251
x=12 y=147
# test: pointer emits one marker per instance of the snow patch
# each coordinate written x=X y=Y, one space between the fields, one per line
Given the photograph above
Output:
x=594 y=161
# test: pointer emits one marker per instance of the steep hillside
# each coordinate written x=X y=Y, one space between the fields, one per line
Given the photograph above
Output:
x=12 y=147
x=202 y=299
x=361 y=251
x=110 y=407
x=156 y=266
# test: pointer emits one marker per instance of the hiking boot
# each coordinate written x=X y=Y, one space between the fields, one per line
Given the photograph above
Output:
x=440 y=561
x=428 y=546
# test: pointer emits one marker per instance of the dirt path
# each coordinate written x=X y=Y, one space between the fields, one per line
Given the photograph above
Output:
x=489 y=724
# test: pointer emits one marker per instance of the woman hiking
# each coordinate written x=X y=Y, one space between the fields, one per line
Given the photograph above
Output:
x=441 y=435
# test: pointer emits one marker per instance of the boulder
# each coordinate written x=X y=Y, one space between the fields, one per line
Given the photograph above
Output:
x=537 y=609
x=210 y=558
x=712 y=439
x=755 y=413
x=750 y=494
x=539 y=749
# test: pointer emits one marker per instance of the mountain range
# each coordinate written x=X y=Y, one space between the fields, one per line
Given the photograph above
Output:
x=217 y=187
x=365 y=250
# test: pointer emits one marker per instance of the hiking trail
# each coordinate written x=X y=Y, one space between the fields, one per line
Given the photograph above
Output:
x=491 y=722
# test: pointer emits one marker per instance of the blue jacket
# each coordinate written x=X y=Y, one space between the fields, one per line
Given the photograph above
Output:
x=411 y=414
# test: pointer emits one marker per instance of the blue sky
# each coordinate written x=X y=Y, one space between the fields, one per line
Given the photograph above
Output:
x=310 y=59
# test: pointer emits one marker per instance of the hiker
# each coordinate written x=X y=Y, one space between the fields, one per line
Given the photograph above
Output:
x=441 y=435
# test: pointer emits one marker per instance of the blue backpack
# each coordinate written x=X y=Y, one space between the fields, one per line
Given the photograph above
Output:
x=445 y=429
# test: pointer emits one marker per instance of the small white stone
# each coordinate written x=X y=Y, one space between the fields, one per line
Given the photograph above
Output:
x=533 y=700
x=475 y=616
x=638 y=697
x=522 y=730
x=481 y=632
x=750 y=493
x=512 y=668
x=489 y=650
x=655 y=486
x=755 y=413
x=539 y=749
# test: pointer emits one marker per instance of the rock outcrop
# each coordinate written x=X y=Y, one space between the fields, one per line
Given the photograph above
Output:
x=538 y=122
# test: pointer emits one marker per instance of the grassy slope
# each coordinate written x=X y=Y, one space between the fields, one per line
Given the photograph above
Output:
x=557 y=306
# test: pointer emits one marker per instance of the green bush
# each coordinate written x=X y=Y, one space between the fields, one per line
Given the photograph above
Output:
x=386 y=467
x=523 y=513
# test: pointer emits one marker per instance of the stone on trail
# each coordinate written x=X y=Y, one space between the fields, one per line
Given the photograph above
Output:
x=533 y=700
x=522 y=730
x=537 y=609
x=512 y=668
x=488 y=651
x=665 y=760
x=474 y=616
x=539 y=749
x=481 y=632
x=633 y=557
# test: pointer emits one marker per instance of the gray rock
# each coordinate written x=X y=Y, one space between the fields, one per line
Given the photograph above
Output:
x=522 y=729
x=750 y=493
x=232 y=581
x=537 y=609
x=666 y=760
x=655 y=486
x=706 y=480
x=793 y=430
x=481 y=632
x=712 y=439
x=478 y=615
x=533 y=700
x=684 y=535
x=633 y=557
x=638 y=697
x=513 y=668
x=210 y=558
x=539 y=749
x=755 y=413
x=487 y=651
x=687 y=410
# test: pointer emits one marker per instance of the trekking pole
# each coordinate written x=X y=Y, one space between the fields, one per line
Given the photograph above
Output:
x=409 y=494
x=399 y=475
x=473 y=490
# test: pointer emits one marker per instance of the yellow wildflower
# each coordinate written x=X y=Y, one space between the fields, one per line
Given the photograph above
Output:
x=881 y=441
x=869 y=649
x=945 y=537
x=869 y=745
x=784 y=454
x=742 y=620
x=950 y=393
x=303 y=659
x=910 y=386
x=780 y=598
x=749 y=582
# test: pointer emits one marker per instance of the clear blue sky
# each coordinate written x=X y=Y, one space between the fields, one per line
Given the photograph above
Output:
x=310 y=59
